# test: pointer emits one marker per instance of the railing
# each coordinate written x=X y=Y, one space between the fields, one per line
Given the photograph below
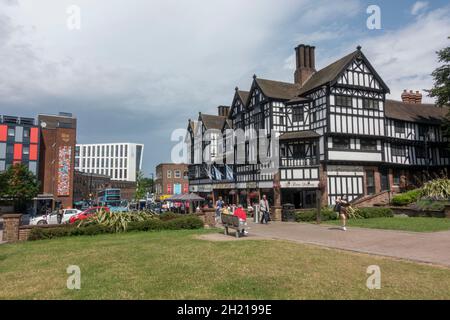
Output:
x=290 y=162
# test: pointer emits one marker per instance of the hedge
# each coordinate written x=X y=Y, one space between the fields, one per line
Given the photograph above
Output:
x=185 y=222
x=406 y=198
x=329 y=214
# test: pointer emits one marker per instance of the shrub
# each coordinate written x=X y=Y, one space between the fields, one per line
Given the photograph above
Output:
x=184 y=222
x=374 y=212
x=311 y=215
x=187 y=222
x=437 y=189
x=406 y=198
x=118 y=221
x=166 y=216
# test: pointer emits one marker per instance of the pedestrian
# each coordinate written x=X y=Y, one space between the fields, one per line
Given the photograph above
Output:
x=264 y=208
x=60 y=214
x=343 y=214
x=219 y=207
x=240 y=213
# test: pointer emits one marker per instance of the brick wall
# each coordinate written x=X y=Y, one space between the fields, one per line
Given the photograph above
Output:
x=11 y=223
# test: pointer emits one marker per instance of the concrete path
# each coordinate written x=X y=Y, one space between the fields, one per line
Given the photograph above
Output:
x=421 y=247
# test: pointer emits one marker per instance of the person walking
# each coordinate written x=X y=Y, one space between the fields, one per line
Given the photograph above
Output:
x=343 y=214
x=264 y=208
x=60 y=214
x=219 y=207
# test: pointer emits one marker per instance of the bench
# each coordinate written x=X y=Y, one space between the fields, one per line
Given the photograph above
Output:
x=230 y=221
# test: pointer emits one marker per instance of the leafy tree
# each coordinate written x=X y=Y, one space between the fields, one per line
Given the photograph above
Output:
x=18 y=184
x=143 y=185
x=441 y=88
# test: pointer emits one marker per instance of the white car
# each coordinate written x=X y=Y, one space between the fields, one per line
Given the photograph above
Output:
x=52 y=218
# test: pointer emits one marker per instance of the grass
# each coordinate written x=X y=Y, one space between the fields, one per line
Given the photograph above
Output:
x=417 y=224
x=176 y=265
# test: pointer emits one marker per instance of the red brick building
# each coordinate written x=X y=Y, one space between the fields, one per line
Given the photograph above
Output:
x=57 y=156
x=171 y=179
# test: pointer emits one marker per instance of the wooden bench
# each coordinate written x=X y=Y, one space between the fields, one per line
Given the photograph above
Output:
x=230 y=221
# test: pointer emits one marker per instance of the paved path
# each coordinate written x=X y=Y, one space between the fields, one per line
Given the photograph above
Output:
x=421 y=247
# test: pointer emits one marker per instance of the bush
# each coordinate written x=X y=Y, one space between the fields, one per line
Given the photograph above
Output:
x=406 y=198
x=166 y=216
x=437 y=189
x=374 y=212
x=311 y=215
x=187 y=222
x=115 y=220
x=184 y=222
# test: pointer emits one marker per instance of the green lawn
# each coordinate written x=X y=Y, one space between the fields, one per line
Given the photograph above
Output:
x=176 y=265
x=399 y=223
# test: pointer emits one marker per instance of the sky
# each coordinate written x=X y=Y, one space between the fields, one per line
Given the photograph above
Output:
x=136 y=70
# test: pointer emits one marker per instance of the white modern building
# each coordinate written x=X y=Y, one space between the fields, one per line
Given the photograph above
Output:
x=120 y=161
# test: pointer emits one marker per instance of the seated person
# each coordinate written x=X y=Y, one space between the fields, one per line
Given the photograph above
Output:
x=240 y=213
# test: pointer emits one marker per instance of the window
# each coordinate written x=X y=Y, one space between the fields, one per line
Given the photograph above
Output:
x=368 y=144
x=9 y=149
x=341 y=143
x=103 y=151
x=399 y=127
x=421 y=153
x=89 y=151
x=126 y=150
x=396 y=175
x=370 y=177
x=169 y=174
x=26 y=150
x=26 y=132
x=298 y=151
x=77 y=151
x=371 y=104
x=422 y=130
x=186 y=175
x=121 y=150
x=177 y=174
x=11 y=132
x=297 y=114
x=281 y=121
x=344 y=101
x=398 y=151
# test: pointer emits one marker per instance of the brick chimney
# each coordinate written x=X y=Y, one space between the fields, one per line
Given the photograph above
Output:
x=223 y=111
x=305 y=63
x=411 y=97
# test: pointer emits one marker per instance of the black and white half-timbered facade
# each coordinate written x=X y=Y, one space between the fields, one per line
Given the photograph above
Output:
x=335 y=130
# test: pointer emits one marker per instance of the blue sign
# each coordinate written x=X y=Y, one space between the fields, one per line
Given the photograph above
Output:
x=177 y=188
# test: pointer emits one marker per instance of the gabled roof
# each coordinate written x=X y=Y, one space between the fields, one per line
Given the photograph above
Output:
x=415 y=112
x=227 y=124
x=277 y=89
x=331 y=72
x=243 y=95
x=212 y=122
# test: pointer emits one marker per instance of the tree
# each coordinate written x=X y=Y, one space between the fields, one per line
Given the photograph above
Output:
x=18 y=184
x=441 y=88
x=142 y=186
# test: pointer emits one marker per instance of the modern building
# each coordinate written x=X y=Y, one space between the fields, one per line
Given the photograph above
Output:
x=56 y=158
x=171 y=179
x=19 y=142
x=337 y=135
x=87 y=185
x=119 y=161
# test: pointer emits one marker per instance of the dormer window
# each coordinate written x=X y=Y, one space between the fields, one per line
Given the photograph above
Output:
x=399 y=127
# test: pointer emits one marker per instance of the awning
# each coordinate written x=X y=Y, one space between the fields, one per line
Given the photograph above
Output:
x=185 y=197
x=306 y=134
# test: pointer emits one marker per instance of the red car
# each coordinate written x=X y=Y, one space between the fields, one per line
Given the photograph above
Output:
x=87 y=213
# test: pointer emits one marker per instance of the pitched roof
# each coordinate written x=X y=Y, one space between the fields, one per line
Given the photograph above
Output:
x=243 y=95
x=211 y=121
x=193 y=125
x=306 y=134
x=278 y=89
x=328 y=73
x=415 y=112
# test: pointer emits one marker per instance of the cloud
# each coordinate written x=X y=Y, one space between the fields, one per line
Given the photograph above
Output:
x=418 y=7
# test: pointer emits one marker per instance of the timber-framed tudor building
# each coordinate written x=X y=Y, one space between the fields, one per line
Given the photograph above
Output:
x=337 y=133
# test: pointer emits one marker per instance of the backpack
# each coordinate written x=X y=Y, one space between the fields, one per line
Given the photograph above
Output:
x=337 y=207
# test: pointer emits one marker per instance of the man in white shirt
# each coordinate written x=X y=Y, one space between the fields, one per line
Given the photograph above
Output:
x=264 y=208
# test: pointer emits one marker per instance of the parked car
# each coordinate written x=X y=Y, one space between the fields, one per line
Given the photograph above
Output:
x=87 y=213
x=52 y=218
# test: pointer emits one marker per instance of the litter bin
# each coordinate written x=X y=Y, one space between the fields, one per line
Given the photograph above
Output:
x=288 y=213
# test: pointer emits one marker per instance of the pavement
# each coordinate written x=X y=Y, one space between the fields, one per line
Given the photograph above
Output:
x=433 y=247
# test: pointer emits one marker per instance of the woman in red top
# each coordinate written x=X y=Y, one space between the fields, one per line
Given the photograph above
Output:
x=239 y=212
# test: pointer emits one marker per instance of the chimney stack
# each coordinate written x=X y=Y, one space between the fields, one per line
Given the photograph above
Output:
x=411 y=97
x=223 y=111
x=305 y=63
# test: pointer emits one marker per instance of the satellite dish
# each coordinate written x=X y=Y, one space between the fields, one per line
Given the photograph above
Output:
x=43 y=124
